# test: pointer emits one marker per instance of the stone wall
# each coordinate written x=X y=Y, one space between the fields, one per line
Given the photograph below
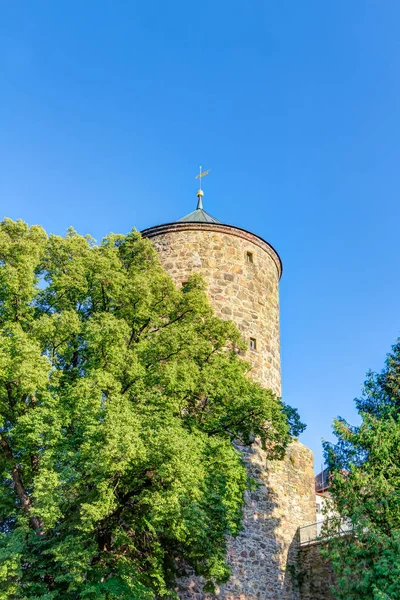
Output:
x=264 y=555
x=315 y=574
x=242 y=291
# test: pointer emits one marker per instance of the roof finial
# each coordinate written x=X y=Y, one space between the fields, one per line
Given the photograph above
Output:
x=200 y=192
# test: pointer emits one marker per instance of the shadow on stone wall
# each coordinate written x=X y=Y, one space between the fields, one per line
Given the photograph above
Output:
x=292 y=579
x=255 y=554
x=309 y=571
x=264 y=556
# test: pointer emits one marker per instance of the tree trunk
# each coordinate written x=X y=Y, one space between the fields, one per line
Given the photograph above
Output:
x=26 y=504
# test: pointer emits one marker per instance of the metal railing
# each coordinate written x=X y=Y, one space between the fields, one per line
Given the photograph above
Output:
x=321 y=530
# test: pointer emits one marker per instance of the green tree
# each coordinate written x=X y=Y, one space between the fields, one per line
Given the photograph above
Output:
x=120 y=397
x=365 y=486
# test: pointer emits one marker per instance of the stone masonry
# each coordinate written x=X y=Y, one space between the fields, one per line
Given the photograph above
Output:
x=242 y=273
x=242 y=291
x=315 y=573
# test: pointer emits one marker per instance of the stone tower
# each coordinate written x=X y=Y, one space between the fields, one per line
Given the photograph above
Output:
x=242 y=272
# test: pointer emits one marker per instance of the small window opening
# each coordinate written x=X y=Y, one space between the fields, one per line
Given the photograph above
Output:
x=186 y=286
x=249 y=257
x=253 y=344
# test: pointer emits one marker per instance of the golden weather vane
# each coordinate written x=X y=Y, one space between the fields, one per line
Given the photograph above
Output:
x=201 y=175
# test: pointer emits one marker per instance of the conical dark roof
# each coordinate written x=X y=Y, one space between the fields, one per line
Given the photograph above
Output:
x=198 y=216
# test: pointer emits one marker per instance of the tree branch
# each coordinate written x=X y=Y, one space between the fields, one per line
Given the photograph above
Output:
x=24 y=499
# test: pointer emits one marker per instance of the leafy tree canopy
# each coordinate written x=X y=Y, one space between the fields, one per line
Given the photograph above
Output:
x=119 y=400
x=365 y=470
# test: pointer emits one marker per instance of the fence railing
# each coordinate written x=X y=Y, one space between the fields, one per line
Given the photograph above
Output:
x=321 y=530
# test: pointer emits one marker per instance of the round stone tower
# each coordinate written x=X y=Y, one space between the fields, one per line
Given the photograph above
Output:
x=242 y=273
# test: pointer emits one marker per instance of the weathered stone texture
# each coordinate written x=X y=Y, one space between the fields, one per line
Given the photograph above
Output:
x=264 y=556
x=244 y=292
x=315 y=574
x=247 y=293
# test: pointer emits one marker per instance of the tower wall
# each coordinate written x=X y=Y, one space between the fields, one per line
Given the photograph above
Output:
x=242 y=291
x=247 y=292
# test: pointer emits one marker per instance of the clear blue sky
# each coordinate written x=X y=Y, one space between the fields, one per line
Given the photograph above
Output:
x=108 y=108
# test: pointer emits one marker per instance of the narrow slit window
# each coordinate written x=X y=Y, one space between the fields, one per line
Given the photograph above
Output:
x=249 y=257
x=253 y=344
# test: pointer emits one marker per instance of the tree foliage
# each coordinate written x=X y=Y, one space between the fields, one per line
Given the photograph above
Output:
x=365 y=486
x=120 y=396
